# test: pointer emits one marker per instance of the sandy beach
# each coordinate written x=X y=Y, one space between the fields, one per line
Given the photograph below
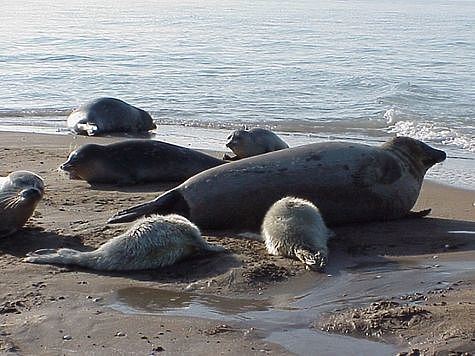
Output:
x=395 y=287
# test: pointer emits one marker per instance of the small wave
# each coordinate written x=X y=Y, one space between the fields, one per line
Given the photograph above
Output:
x=429 y=131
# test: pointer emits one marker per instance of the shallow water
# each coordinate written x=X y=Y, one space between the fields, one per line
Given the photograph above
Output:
x=286 y=314
x=360 y=70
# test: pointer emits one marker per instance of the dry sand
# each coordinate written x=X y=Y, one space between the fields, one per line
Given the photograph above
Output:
x=407 y=283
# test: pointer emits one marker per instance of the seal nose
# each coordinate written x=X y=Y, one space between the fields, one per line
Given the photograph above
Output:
x=434 y=156
x=66 y=166
x=31 y=193
x=440 y=156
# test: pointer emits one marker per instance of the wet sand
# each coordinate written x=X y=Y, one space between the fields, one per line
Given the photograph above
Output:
x=389 y=287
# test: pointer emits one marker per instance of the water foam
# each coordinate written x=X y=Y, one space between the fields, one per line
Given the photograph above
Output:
x=428 y=131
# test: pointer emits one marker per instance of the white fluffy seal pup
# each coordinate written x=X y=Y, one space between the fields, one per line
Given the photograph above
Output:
x=294 y=228
x=247 y=143
x=20 y=193
x=152 y=242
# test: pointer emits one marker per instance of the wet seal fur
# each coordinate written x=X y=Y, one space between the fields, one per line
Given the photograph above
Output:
x=152 y=242
x=294 y=228
x=107 y=115
x=349 y=182
x=136 y=161
x=20 y=193
x=247 y=143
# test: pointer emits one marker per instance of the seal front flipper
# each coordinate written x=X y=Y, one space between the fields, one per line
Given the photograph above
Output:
x=171 y=202
x=418 y=214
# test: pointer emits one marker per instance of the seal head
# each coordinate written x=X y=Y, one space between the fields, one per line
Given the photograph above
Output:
x=20 y=193
x=247 y=143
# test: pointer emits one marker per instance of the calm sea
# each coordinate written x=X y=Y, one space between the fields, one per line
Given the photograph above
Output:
x=359 y=70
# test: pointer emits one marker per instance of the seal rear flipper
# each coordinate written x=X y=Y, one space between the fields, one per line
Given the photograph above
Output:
x=171 y=202
x=63 y=256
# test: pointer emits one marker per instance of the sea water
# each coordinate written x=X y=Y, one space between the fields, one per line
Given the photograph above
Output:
x=312 y=70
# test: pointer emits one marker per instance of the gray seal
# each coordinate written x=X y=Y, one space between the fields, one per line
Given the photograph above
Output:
x=152 y=242
x=294 y=228
x=20 y=193
x=136 y=161
x=247 y=143
x=349 y=182
x=108 y=115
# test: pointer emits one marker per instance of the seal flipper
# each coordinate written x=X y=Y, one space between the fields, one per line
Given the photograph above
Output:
x=63 y=256
x=418 y=214
x=171 y=202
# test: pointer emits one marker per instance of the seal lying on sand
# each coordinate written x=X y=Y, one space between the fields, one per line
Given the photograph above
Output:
x=152 y=242
x=106 y=115
x=294 y=228
x=248 y=143
x=349 y=182
x=136 y=161
x=20 y=193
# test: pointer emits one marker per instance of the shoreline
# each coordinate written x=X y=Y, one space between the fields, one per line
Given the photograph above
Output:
x=450 y=172
x=262 y=303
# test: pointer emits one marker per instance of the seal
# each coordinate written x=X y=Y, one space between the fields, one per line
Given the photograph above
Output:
x=247 y=143
x=20 y=193
x=294 y=228
x=107 y=115
x=136 y=161
x=349 y=182
x=152 y=242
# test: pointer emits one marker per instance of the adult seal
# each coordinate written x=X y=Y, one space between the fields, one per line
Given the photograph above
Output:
x=348 y=182
x=294 y=228
x=20 y=193
x=107 y=115
x=152 y=242
x=136 y=161
x=247 y=143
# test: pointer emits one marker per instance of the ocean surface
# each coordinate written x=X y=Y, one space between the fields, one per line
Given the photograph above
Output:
x=360 y=70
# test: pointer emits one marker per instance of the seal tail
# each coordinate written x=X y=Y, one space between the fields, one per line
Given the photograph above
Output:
x=171 y=202
x=63 y=256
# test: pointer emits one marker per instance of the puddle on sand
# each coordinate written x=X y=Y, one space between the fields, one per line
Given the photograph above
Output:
x=285 y=324
x=139 y=300
x=286 y=315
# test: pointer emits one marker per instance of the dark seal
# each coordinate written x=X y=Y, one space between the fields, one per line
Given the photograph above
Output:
x=348 y=182
x=108 y=115
x=136 y=161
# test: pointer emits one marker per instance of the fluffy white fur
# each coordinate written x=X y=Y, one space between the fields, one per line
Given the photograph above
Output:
x=20 y=193
x=152 y=242
x=294 y=228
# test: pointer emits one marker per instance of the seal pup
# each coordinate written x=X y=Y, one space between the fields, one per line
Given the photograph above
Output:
x=294 y=228
x=136 y=161
x=152 y=242
x=247 y=143
x=106 y=115
x=20 y=193
x=349 y=182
